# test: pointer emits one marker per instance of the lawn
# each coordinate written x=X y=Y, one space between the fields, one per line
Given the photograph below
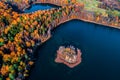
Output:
x=92 y=5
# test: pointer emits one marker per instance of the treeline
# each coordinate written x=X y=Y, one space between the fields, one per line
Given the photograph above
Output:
x=20 y=38
x=110 y=18
x=57 y=2
x=22 y=4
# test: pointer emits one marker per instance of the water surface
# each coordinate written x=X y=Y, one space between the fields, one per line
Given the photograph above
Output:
x=36 y=7
x=100 y=48
x=100 y=53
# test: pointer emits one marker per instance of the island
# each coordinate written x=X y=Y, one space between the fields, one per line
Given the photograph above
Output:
x=68 y=56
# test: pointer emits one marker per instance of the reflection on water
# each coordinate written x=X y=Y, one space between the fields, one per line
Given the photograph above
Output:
x=100 y=53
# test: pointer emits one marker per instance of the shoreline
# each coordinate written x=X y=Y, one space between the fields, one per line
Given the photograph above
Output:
x=88 y=21
x=63 y=17
x=85 y=20
x=57 y=3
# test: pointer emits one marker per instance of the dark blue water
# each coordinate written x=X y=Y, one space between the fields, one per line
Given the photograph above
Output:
x=100 y=48
x=36 y=7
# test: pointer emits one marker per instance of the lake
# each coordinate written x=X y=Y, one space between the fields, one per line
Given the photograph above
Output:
x=100 y=46
x=36 y=7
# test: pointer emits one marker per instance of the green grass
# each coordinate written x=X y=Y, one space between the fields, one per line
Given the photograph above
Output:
x=92 y=5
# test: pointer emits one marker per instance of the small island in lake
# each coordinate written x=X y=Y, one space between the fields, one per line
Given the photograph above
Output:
x=68 y=56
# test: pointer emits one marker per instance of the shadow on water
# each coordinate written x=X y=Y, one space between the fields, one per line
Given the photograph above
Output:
x=100 y=53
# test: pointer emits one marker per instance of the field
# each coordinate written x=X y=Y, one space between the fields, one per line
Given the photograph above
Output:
x=92 y=5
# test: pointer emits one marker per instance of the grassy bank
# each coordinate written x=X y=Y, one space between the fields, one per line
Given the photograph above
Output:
x=92 y=5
